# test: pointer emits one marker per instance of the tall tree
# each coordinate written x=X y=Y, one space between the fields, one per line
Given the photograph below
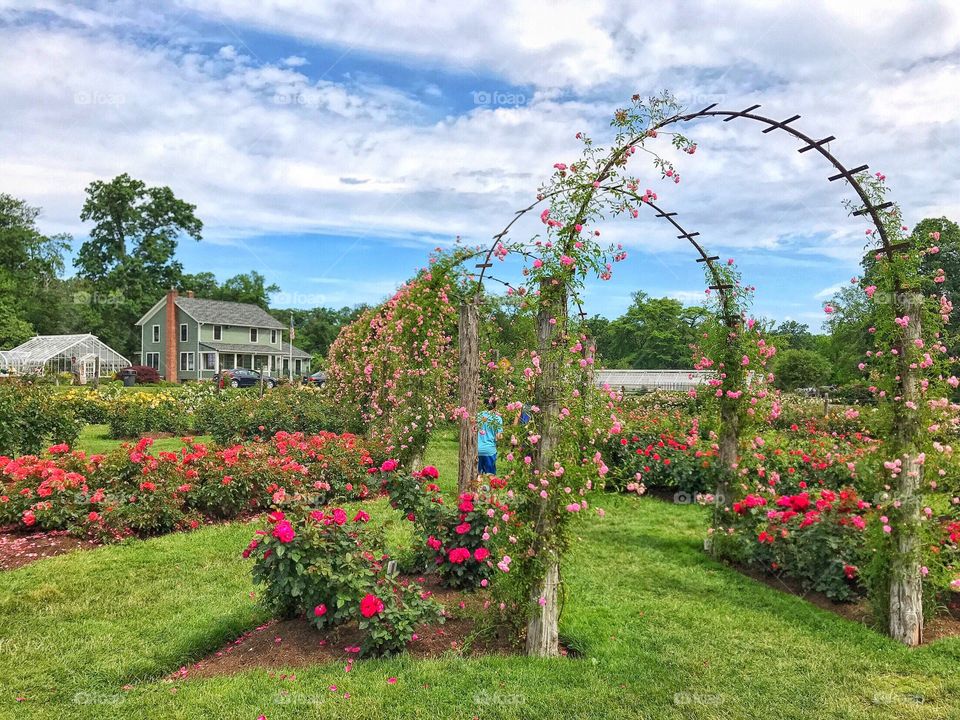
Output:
x=654 y=333
x=129 y=259
x=29 y=265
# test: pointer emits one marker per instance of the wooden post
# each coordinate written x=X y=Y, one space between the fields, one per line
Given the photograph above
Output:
x=542 y=628
x=729 y=434
x=96 y=371
x=906 y=591
x=469 y=336
x=729 y=440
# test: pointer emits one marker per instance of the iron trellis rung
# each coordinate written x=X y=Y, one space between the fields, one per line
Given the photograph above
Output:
x=867 y=208
x=899 y=246
x=782 y=124
x=484 y=265
x=711 y=106
x=816 y=145
x=665 y=215
x=687 y=236
x=848 y=173
x=741 y=113
x=721 y=287
x=708 y=259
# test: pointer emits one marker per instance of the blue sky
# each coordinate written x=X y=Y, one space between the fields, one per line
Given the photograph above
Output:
x=332 y=147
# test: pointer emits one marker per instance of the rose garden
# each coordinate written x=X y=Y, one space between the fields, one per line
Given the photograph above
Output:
x=333 y=552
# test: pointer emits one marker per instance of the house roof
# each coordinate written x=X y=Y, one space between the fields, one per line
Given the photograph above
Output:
x=221 y=312
x=253 y=349
x=297 y=352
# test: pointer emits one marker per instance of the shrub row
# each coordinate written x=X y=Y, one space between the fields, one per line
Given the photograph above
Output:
x=133 y=492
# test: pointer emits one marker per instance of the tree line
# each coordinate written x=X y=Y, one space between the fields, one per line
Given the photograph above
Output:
x=129 y=262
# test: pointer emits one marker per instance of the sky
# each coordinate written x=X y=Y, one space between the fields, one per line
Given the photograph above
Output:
x=331 y=145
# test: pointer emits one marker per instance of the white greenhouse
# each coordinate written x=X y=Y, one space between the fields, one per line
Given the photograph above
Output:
x=645 y=380
x=82 y=355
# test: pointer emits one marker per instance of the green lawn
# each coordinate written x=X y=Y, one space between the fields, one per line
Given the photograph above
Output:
x=665 y=632
x=96 y=439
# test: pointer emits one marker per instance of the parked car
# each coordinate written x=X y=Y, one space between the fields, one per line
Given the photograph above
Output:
x=241 y=377
x=318 y=378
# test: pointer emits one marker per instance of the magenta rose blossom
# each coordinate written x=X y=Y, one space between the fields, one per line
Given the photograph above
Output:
x=283 y=531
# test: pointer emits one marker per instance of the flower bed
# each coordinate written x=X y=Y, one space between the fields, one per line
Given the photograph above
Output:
x=133 y=492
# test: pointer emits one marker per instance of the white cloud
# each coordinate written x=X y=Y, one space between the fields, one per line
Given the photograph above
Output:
x=263 y=148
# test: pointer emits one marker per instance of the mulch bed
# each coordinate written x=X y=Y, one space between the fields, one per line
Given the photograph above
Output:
x=289 y=644
x=945 y=624
x=18 y=548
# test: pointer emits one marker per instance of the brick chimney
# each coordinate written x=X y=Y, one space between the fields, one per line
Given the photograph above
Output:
x=173 y=336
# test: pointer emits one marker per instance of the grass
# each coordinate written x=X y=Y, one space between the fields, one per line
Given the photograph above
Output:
x=665 y=631
x=96 y=439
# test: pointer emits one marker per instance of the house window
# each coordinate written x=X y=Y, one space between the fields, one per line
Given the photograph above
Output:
x=209 y=361
x=156 y=333
x=218 y=332
x=183 y=332
x=253 y=335
x=153 y=360
x=186 y=361
x=273 y=337
x=297 y=366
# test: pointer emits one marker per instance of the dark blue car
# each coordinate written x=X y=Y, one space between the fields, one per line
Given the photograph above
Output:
x=241 y=377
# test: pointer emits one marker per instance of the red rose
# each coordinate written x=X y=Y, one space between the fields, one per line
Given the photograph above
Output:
x=371 y=605
x=462 y=528
x=459 y=555
x=320 y=610
x=361 y=516
x=481 y=554
x=389 y=466
x=29 y=518
x=430 y=471
x=339 y=516
x=465 y=506
x=93 y=517
x=276 y=516
x=434 y=543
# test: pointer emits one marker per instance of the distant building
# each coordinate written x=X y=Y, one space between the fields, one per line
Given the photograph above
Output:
x=645 y=380
x=82 y=355
x=189 y=338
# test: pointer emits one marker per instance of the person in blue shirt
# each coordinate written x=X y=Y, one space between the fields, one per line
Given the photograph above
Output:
x=489 y=430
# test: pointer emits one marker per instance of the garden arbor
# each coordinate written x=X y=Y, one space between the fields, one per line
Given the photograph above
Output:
x=594 y=187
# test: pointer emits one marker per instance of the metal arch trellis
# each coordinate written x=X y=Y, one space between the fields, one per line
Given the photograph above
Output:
x=850 y=175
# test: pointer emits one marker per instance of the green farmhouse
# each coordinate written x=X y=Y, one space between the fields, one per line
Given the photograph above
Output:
x=188 y=338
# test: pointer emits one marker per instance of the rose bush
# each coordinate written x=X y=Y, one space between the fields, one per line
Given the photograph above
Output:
x=330 y=569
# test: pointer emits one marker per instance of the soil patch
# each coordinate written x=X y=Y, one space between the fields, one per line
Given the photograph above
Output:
x=945 y=624
x=18 y=548
x=289 y=644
